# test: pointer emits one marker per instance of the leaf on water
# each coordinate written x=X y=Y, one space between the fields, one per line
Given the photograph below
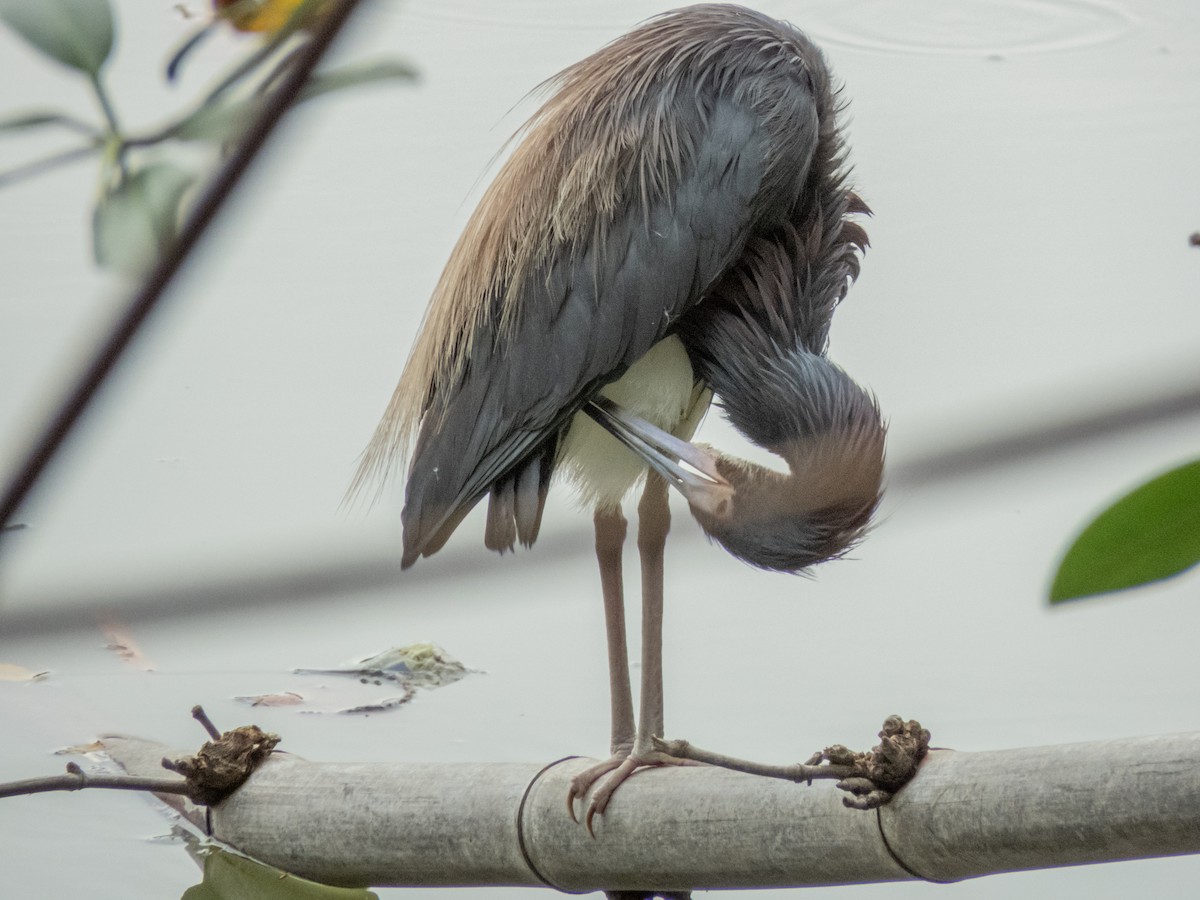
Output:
x=121 y=642
x=77 y=33
x=81 y=749
x=358 y=73
x=283 y=698
x=10 y=672
x=139 y=218
x=405 y=668
x=1150 y=534
x=231 y=877
x=422 y=665
x=342 y=698
x=333 y=700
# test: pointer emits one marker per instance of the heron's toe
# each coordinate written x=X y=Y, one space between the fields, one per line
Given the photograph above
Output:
x=583 y=781
x=610 y=775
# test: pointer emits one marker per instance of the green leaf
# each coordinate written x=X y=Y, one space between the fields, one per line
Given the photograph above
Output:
x=230 y=877
x=78 y=33
x=138 y=219
x=218 y=120
x=356 y=74
x=222 y=119
x=1147 y=535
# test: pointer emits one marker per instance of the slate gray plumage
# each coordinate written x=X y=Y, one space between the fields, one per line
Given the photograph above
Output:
x=675 y=216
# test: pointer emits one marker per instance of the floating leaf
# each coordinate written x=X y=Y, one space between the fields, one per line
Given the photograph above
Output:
x=139 y=219
x=231 y=877
x=81 y=749
x=9 y=672
x=359 y=73
x=284 y=698
x=340 y=698
x=333 y=700
x=77 y=33
x=121 y=642
x=407 y=668
x=1147 y=535
x=424 y=665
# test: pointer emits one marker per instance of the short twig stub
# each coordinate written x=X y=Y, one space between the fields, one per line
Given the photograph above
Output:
x=221 y=766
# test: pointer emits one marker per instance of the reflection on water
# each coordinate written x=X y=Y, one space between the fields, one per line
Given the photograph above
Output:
x=524 y=16
x=967 y=27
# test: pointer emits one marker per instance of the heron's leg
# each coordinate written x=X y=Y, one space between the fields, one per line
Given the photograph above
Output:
x=654 y=521
x=610 y=540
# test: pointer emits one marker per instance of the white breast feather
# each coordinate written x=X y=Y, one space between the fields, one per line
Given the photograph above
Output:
x=660 y=388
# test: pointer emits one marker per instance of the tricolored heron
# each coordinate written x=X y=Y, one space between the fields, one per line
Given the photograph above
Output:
x=674 y=224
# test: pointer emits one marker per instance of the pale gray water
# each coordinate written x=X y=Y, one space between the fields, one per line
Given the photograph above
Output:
x=1032 y=170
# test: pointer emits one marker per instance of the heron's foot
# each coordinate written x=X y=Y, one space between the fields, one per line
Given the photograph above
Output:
x=875 y=776
x=870 y=779
x=583 y=781
x=609 y=775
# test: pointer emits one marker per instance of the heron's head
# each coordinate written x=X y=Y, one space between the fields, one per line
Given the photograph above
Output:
x=826 y=428
x=817 y=511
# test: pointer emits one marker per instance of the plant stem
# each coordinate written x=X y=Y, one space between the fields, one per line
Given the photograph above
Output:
x=106 y=106
x=95 y=371
x=38 y=166
x=76 y=780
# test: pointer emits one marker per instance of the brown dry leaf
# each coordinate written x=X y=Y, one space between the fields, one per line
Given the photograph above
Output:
x=121 y=642
x=81 y=749
x=284 y=698
x=9 y=672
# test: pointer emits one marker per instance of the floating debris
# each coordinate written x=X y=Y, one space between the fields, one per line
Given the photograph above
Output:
x=121 y=642
x=9 y=672
x=377 y=706
x=284 y=698
x=400 y=670
x=95 y=747
x=420 y=665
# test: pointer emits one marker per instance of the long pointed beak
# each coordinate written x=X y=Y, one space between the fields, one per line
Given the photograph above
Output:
x=683 y=465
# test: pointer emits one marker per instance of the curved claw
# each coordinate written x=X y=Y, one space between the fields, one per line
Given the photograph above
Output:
x=604 y=793
x=583 y=781
x=622 y=768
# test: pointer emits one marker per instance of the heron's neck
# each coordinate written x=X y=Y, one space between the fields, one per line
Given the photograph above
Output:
x=811 y=413
x=778 y=397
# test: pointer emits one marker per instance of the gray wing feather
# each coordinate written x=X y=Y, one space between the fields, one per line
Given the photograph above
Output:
x=589 y=313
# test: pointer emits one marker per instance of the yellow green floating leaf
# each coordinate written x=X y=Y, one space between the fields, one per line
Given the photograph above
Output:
x=231 y=877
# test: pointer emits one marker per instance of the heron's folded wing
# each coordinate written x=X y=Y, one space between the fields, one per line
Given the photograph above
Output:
x=589 y=311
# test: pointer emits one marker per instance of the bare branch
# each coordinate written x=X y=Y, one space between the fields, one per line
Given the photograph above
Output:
x=76 y=780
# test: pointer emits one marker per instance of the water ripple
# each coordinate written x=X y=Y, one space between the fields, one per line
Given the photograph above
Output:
x=967 y=27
